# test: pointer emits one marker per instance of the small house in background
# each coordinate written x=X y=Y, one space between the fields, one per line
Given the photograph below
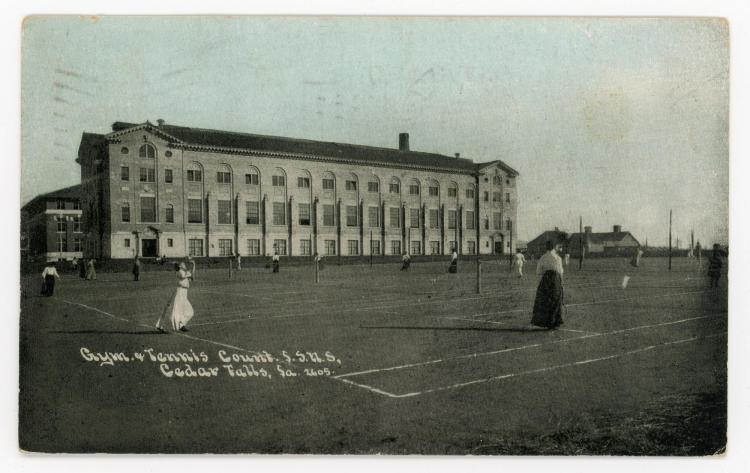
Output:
x=51 y=226
x=614 y=243
x=538 y=246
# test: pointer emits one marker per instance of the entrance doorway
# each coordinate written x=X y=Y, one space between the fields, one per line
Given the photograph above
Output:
x=148 y=248
x=499 y=246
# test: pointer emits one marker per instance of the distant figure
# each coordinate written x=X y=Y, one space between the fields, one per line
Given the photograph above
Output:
x=698 y=252
x=714 y=266
x=275 y=261
x=179 y=311
x=453 y=268
x=136 y=269
x=567 y=259
x=318 y=259
x=405 y=262
x=518 y=261
x=635 y=261
x=239 y=262
x=90 y=270
x=548 y=305
x=48 y=277
x=74 y=264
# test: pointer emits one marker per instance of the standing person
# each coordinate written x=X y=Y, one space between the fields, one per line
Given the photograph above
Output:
x=136 y=269
x=318 y=259
x=82 y=269
x=698 y=252
x=567 y=259
x=405 y=261
x=179 y=311
x=90 y=270
x=548 y=305
x=518 y=261
x=239 y=262
x=714 y=266
x=635 y=261
x=48 y=276
x=453 y=268
x=74 y=264
x=275 y=261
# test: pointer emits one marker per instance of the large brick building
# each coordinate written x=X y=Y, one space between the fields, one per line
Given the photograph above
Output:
x=51 y=227
x=173 y=191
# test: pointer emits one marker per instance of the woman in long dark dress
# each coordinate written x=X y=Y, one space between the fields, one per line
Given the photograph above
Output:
x=548 y=305
x=714 y=266
x=48 y=277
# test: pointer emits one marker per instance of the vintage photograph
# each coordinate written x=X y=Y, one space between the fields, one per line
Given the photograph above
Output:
x=501 y=236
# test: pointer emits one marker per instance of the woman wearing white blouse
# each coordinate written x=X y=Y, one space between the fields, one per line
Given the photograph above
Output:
x=48 y=276
x=179 y=311
x=548 y=304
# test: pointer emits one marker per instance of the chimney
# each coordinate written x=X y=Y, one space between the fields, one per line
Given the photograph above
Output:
x=557 y=229
x=617 y=228
x=587 y=229
x=160 y=122
x=403 y=142
x=458 y=155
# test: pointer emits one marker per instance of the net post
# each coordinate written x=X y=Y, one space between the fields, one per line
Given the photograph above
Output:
x=479 y=276
x=317 y=271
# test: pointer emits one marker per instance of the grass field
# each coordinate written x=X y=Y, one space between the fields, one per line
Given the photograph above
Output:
x=385 y=362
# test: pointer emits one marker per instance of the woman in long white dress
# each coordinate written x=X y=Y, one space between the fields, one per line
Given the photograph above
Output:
x=179 y=311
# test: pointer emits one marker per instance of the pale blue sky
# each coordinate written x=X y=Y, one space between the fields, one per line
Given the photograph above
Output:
x=615 y=120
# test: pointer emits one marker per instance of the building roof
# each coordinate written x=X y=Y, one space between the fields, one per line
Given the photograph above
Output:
x=67 y=193
x=556 y=236
x=602 y=237
x=371 y=155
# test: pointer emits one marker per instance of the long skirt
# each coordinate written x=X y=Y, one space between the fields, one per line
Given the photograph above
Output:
x=405 y=265
x=48 y=286
x=91 y=273
x=548 y=305
x=453 y=268
x=178 y=312
x=275 y=266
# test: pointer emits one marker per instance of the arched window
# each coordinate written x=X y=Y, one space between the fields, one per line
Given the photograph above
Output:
x=433 y=188
x=147 y=151
x=329 y=181
x=373 y=184
x=252 y=177
x=352 y=182
x=279 y=178
x=414 y=188
x=304 y=180
x=224 y=174
x=453 y=190
x=195 y=172
x=395 y=186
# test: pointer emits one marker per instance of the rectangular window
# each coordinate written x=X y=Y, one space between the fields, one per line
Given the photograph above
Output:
x=169 y=214
x=353 y=247
x=125 y=213
x=251 y=179
x=375 y=247
x=195 y=211
x=62 y=243
x=278 y=181
x=414 y=189
x=77 y=243
x=225 y=247
x=225 y=211
x=60 y=204
x=194 y=175
x=452 y=192
x=195 y=247
x=224 y=177
x=328 y=215
x=60 y=221
x=170 y=242
x=433 y=191
x=486 y=224
x=373 y=187
x=470 y=220
x=395 y=247
x=77 y=205
x=508 y=224
x=414 y=218
x=434 y=217
x=486 y=196
x=304 y=247
x=147 y=175
x=252 y=213
x=351 y=216
x=471 y=247
x=434 y=247
x=416 y=248
x=351 y=185
x=125 y=173
x=373 y=216
x=451 y=219
x=168 y=176
x=303 y=182
x=394 y=188
x=304 y=214
x=148 y=209
x=497 y=221
x=395 y=217
x=327 y=184
x=280 y=246
x=76 y=224
x=507 y=196
x=330 y=247
x=126 y=243
x=253 y=247
x=470 y=193
x=279 y=213
x=497 y=197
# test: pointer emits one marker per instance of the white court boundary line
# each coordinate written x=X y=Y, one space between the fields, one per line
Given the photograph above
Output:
x=527 y=372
